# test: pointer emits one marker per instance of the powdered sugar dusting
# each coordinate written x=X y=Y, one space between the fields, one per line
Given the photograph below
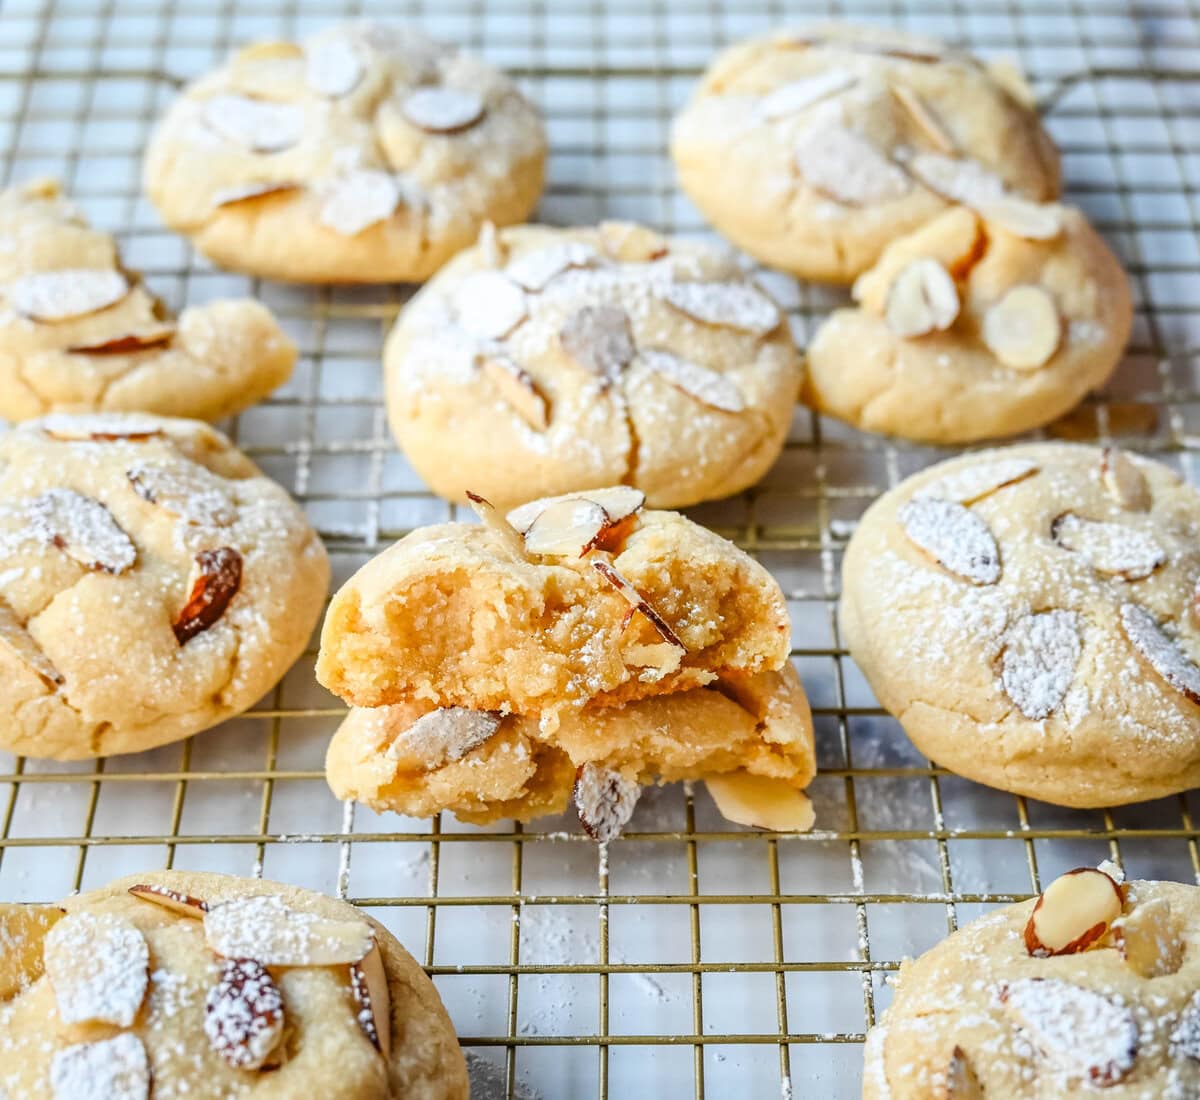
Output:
x=796 y=95
x=845 y=166
x=358 y=200
x=534 y=269
x=954 y=537
x=1041 y=653
x=1112 y=548
x=707 y=386
x=1185 y=1036
x=444 y=735
x=734 y=305
x=98 y=965
x=112 y=1069
x=975 y=482
x=257 y=125
x=1161 y=652
x=243 y=1014
x=83 y=528
x=265 y=928
x=66 y=293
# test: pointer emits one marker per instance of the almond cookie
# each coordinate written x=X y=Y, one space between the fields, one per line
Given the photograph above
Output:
x=366 y=154
x=979 y=324
x=813 y=149
x=205 y=986
x=80 y=333
x=548 y=360
x=152 y=583
x=1092 y=988
x=1030 y=616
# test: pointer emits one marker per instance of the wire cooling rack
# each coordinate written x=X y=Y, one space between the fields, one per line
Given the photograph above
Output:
x=701 y=959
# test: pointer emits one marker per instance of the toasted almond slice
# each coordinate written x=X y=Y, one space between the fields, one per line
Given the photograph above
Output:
x=443 y=110
x=63 y=295
x=15 y=638
x=638 y=602
x=1150 y=938
x=567 y=528
x=83 y=529
x=443 y=736
x=23 y=928
x=115 y=1069
x=492 y=519
x=536 y=269
x=707 y=386
x=359 y=200
x=960 y=1082
x=244 y=192
x=129 y=344
x=978 y=481
x=175 y=900
x=332 y=66
x=761 y=802
x=1160 y=651
x=798 y=95
x=491 y=249
x=243 y=1014
x=1110 y=548
x=956 y=179
x=98 y=965
x=954 y=537
x=922 y=299
x=265 y=928
x=927 y=122
x=100 y=427
x=369 y=987
x=489 y=305
x=188 y=491
x=1023 y=329
x=600 y=340
x=258 y=125
x=846 y=167
x=632 y=243
x=1030 y=220
x=1038 y=662
x=740 y=306
x=618 y=501
x=517 y=387
x=217 y=578
x=1126 y=484
x=1185 y=1038
x=1080 y=1032
x=1073 y=912
x=605 y=801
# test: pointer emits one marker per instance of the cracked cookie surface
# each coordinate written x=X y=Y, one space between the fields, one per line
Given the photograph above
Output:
x=1030 y=616
x=367 y=153
x=79 y=333
x=152 y=583
x=543 y=361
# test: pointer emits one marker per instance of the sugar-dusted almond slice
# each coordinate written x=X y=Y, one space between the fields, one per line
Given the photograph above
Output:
x=1150 y=938
x=83 y=529
x=632 y=243
x=66 y=294
x=266 y=928
x=188 y=491
x=519 y=390
x=1185 y=1037
x=1031 y=220
x=535 y=270
x=846 y=167
x=925 y=119
x=954 y=537
x=922 y=299
x=727 y=305
x=1073 y=913
x=443 y=736
x=1038 y=662
x=97 y=964
x=1160 y=651
x=176 y=900
x=112 y=1069
x=568 y=528
x=761 y=802
x=491 y=248
x=618 y=501
x=358 y=200
x=243 y=1014
x=1125 y=483
x=258 y=125
x=15 y=638
x=22 y=930
x=100 y=427
x=975 y=482
x=1023 y=329
x=332 y=66
x=709 y=387
x=1110 y=548
x=443 y=110
x=960 y=1081
x=493 y=520
x=490 y=305
x=1082 y=1034
x=600 y=340
x=605 y=801
x=372 y=1000
x=638 y=602
x=798 y=95
x=245 y=192
x=956 y=179
x=217 y=576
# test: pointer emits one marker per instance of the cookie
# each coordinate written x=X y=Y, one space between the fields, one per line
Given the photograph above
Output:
x=750 y=734
x=81 y=333
x=366 y=154
x=975 y=326
x=152 y=583
x=1030 y=616
x=994 y=1011
x=206 y=986
x=813 y=149
x=544 y=361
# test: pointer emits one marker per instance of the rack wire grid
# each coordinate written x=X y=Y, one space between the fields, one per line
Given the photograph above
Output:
x=699 y=958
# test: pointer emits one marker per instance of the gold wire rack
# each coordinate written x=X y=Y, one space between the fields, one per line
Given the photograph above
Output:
x=698 y=959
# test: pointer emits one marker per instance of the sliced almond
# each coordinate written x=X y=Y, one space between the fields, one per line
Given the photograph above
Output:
x=245 y=192
x=922 y=299
x=100 y=427
x=1083 y=1034
x=83 y=529
x=98 y=965
x=638 y=603
x=1126 y=484
x=489 y=305
x=1023 y=329
x=359 y=200
x=709 y=387
x=369 y=988
x=1150 y=938
x=175 y=900
x=217 y=578
x=600 y=340
x=443 y=736
x=1160 y=651
x=491 y=248
x=761 y=802
x=798 y=95
x=1073 y=912
x=265 y=928
x=605 y=801
x=925 y=119
x=443 y=110
x=493 y=520
x=1110 y=548
x=618 y=501
x=20 y=643
x=632 y=243
x=972 y=484
x=1185 y=1039
x=332 y=66
x=567 y=528
x=23 y=929
x=186 y=490
x=51 y=296
x=1030 y=220
x=960 y=1082
x=846 y=167
x=243 y=1014
x=954 y=537
x=956 y=179
x=536 y=269
x=517 y=387
x=1038 y=662
x=258 y=125
x=115 y=1069
x=729 y=305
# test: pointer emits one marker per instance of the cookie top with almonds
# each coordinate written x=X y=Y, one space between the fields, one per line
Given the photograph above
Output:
x=989 y=320
x=206 y=986
x=366 y=153
x=80 y=333
x=1031 y=616
x=152 y=583
x=812 y=148
x=542 y=361
x=993 y=1011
